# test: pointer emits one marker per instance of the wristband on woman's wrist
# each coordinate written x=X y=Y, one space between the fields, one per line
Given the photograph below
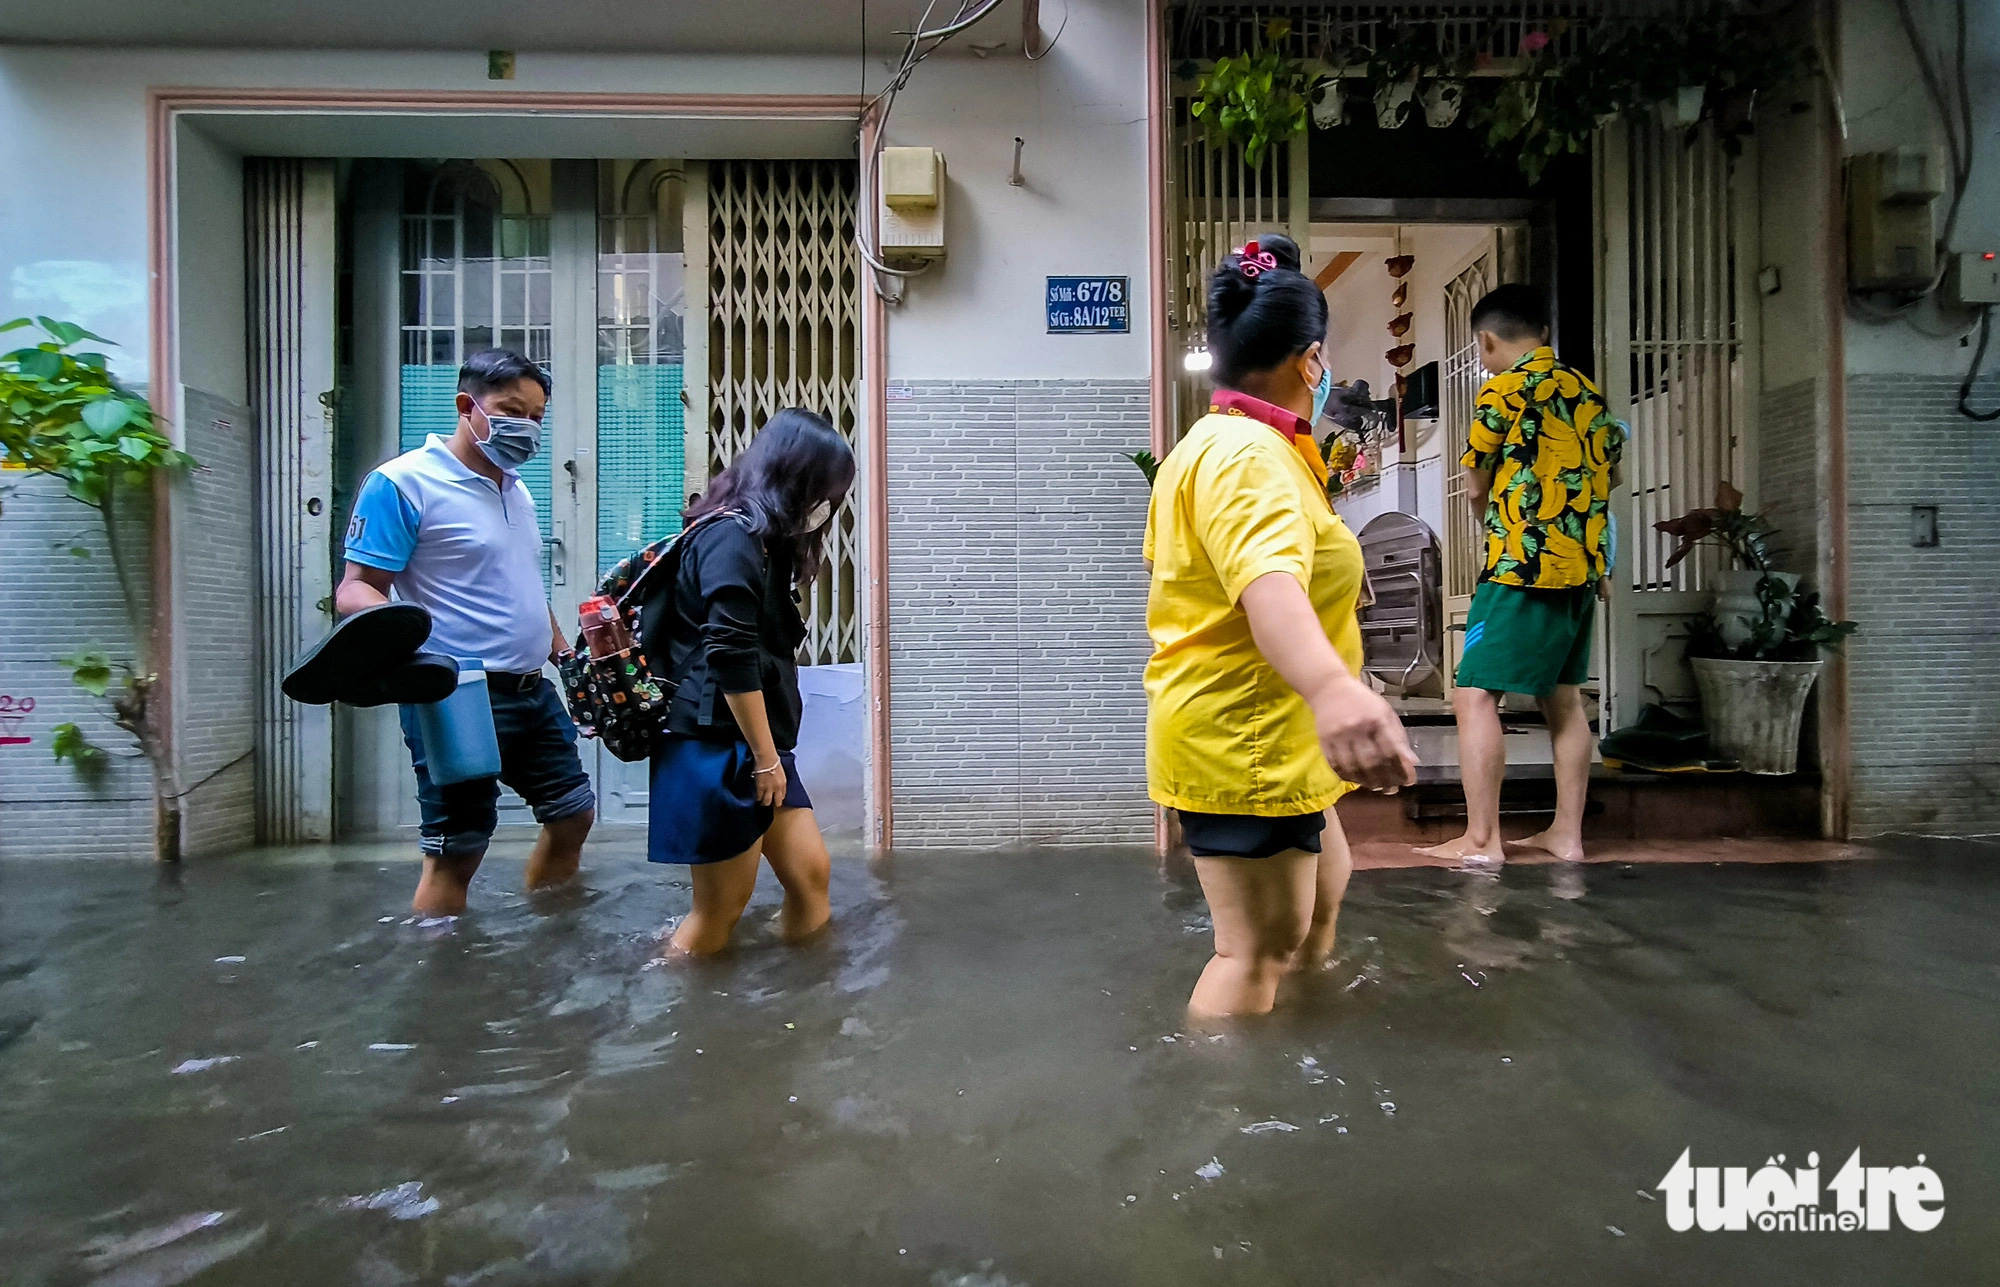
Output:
x=779 y=767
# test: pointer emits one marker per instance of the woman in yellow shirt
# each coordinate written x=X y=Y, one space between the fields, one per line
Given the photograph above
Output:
x=1257 y=721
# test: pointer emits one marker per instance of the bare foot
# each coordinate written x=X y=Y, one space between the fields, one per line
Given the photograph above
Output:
x=1466 y=852
x=1567 y=848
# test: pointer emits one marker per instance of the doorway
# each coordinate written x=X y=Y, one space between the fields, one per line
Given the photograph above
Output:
x=673 y=314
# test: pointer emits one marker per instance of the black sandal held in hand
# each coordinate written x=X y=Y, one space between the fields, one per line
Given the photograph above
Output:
x=425 y=678
x=362 y=650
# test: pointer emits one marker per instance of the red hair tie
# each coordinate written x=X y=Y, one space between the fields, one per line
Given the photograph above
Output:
x=1254 y=261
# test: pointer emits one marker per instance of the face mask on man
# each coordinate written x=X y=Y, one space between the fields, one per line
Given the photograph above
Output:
x=816 y=517
x=510 y=441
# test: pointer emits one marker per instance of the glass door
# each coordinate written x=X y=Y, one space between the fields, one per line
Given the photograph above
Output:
x=577 y=265
x=640 y=444
x=479 y=269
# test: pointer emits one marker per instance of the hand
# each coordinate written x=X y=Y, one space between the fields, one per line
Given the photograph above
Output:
x=1362 y=738
x=1604 y=588
x=770 y=784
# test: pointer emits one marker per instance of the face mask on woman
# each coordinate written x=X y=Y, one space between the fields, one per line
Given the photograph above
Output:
x=1321 y=392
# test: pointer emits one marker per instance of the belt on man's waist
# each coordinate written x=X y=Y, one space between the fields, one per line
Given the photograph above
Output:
x=504 y=682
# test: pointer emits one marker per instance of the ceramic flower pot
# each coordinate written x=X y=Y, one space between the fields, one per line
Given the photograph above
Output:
x=1392 y=104
x=1329 y=102
x=1753 y=710
x=1441 y=100
x=1738 y=609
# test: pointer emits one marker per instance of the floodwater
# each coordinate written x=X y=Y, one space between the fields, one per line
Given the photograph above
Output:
x=261 y=1071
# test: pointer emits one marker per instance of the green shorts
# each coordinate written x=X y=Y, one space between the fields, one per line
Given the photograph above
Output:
x=1527 y=641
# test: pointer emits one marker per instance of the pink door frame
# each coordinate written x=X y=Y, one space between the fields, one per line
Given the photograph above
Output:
x=165 y=105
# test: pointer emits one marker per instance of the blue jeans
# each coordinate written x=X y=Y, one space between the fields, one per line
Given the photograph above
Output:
x=537 y=759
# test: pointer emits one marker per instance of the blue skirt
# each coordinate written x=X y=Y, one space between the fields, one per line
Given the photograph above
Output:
x=702 y=806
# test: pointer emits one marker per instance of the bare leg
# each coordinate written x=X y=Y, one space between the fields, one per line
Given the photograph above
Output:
x=1482 y=764
x=558 y=850
x=1575 y=747
x=1329 y=887
x=797 y=853
x=721 y=891
x=441 y=889
x=1262 y=908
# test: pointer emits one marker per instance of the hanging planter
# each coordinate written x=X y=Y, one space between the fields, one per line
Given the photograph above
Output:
x=1707 y=62
x=1442 y=100
x=1392 y=104
x=1684 y=108
x=1329 y=102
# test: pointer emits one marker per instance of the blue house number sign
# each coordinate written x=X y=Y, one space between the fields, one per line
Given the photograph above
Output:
x=1090 y=305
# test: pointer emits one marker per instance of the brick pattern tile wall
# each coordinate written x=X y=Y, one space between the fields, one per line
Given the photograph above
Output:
x=215 y=545
x=55 y=604
x=1924 y=673
x=1017 y=631
x=1788 y=424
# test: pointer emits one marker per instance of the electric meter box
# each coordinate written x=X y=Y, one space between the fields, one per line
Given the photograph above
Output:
x=912 y=177
x=1972 y=278
x=910 y=211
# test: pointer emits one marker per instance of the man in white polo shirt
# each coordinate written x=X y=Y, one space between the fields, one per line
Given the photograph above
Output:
x=451 y=527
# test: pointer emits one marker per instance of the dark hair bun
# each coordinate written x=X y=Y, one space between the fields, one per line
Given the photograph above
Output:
x=1230 y=291
x=1281 y=248
x=1263 y=312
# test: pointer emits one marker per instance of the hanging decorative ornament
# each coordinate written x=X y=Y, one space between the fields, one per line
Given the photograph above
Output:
x=1399 y=325
x=1401 y=354
x=1399 y=265
x=1402 y=294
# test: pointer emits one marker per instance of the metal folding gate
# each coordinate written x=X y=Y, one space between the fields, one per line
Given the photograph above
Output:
x=784 y=330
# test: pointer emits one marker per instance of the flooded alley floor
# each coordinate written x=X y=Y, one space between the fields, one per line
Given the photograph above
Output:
x=260 y=1070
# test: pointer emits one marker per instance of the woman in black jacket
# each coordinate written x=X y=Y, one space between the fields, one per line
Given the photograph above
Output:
x=724 y=788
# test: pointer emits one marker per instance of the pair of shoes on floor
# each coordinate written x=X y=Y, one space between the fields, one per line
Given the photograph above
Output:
x=374 y=658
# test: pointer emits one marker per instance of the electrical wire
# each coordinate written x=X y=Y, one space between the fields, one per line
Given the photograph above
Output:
x=924 y=41
x=1953 y=105
x=1972 y=373
x=1051 y=46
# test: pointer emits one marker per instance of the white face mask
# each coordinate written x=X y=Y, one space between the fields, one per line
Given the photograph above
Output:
x=816 y=517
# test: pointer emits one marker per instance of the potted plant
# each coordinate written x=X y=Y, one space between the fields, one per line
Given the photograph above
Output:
x=1757 y=653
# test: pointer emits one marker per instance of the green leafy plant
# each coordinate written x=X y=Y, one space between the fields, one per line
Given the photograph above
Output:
x=1791 y=625
x=1256 y=99
x=69 y=743
x=64 y=415
x=1626 y=68
x=1148 y=464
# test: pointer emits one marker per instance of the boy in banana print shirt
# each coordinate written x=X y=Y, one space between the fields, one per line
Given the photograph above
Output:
x=1542 y=448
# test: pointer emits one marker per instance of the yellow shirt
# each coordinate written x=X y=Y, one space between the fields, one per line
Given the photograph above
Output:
x=1225 y=734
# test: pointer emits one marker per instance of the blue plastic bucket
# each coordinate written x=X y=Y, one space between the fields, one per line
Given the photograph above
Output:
x=459 y=742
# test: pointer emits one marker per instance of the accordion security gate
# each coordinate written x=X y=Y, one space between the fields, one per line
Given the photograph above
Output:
x=783 y=299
